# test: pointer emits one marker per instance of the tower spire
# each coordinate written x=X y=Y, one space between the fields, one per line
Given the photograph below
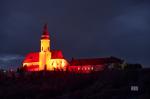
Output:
x=45 y=30
x=45 y=34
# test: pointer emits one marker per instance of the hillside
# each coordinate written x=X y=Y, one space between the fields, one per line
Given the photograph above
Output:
x=109 y=84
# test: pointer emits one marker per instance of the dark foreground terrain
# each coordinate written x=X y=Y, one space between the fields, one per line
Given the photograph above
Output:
x=109 y=84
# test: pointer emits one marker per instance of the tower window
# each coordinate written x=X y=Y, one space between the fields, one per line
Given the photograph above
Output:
x=42 y=48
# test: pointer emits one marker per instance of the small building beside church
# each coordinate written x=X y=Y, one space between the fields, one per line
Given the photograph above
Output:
x=92 y=64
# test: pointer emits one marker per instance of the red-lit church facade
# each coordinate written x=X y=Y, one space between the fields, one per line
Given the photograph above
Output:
x=53 y=60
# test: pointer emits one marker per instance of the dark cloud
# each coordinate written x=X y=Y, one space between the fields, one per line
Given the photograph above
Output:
x=81 y=28
x=131 y=33
x=12 y=61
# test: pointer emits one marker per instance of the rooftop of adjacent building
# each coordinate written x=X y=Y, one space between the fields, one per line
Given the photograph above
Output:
x=95 y=61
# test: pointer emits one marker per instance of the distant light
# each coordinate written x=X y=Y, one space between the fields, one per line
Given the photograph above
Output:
x=134 y=88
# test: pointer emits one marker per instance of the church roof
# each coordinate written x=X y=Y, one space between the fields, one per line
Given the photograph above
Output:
x=31 y=57
x=34 y=56
x=57 y=54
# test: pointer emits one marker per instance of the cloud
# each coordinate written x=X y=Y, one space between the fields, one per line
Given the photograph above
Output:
x=136 y=18
x=129 y=33
x=10 y=61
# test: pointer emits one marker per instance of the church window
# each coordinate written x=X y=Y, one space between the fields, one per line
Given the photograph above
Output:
x=92 y=68
x=78 y=68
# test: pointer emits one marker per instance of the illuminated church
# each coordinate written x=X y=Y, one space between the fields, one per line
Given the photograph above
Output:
x=46 y=59
x=53 y=60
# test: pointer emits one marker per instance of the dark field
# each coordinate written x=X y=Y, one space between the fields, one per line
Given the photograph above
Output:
x=108 y=84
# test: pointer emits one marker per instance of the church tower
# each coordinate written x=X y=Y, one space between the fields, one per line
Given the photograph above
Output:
x=45 y=54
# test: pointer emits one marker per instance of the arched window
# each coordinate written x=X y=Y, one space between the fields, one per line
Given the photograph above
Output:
x=78 y=68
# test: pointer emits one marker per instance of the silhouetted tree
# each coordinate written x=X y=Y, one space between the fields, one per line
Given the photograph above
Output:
x=132 y=66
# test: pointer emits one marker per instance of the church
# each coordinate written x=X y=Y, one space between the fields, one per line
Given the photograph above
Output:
x=46 y=59
x=53 y=60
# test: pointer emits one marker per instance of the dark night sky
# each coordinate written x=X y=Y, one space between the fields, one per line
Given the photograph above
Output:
x=81 y=28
